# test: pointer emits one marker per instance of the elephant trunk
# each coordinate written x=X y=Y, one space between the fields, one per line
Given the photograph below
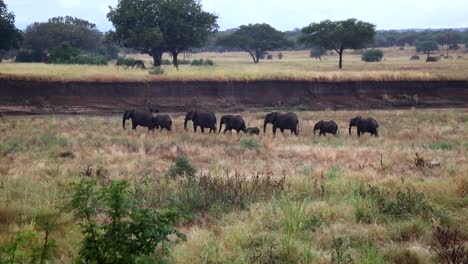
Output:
x=264 y=127
x=124 y=119
x=220 y=126
x=350 y=129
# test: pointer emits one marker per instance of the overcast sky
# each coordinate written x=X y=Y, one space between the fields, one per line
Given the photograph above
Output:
x=282 y=14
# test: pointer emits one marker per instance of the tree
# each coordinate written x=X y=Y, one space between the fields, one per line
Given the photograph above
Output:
x=79 y=33
x=372 y=55
x=256 y=39
x=157 y=26
x=449 y=39
x=10 y=36
x=137 y=26
x=339 y=35
x=115 y=227
x=426 y=47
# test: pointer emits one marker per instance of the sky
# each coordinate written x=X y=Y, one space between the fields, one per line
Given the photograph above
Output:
x=281 y=14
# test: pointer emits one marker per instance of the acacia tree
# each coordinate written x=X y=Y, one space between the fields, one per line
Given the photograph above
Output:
x=255 y=39
x=10 y=36
x=158 y=26
x=339 y=35
x=426 y=47
x=137 y=26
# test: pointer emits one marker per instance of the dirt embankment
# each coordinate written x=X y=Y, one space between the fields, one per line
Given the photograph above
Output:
x=45 y=97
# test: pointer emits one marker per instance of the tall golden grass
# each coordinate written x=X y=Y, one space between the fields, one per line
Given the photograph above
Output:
x=296 y=65
x=298 y=226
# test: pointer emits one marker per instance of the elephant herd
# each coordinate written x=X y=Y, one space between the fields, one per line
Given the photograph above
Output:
x=282 y=121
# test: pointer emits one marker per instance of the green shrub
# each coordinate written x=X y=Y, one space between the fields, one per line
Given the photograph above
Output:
x=115 y=228
x=166 y=62
x=156 y=71
x=202 y=62
x=415 y=57
x=88 y=60
x=25 y=55
x=440 y=145
x=371 y=255
x=12 y=146
x=372 y=55
x=63 y=53
x=181 y=167
x=250 y=143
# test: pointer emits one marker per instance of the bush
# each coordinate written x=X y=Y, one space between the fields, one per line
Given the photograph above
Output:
x=181 y=167
x=156 y=71
x=111 y=52
x=63 y=53
x=269 y=56
x=166 y=62
x=250 y=143
x=25 y=55
x=280 y=56
x=372 y=55
x=415 y=57
x=449 y=244
x=115 y=228
x=202 y=62
x=88 y=60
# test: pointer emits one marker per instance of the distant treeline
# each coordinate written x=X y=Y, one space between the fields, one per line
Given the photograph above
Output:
x=383 y=38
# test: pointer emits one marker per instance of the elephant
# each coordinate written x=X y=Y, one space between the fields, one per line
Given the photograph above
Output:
x=163 y=122
x=287 y=121
x=139 y=118
x=330 y=127
x=253 y=131
x=364 y=125
x=202 y=120
x=232 y=122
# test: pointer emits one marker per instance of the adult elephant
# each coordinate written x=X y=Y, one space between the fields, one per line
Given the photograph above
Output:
x=202 y=120
x=364 y=125
x=163 y=122
x=283 y=121
x=325 y=127
x=139 y=118
x=232 y=122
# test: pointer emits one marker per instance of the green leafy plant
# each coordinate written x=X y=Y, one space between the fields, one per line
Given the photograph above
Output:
x=181 y=167
x=372 y=55
x=114 y=226
x=250 y=143
x=156 y=71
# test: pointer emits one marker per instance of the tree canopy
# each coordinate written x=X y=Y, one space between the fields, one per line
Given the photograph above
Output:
x=256 y=39
x=426 y=47
x=157 y=26
x=339 y=35
x=10 y=36
x=79 y=33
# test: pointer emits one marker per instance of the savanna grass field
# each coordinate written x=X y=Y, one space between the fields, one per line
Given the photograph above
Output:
x=397 y=198
x=294 y=65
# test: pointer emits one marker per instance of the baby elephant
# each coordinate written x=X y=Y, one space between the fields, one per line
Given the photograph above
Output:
x=326 y=127
x=163 y=122
x=253 y=131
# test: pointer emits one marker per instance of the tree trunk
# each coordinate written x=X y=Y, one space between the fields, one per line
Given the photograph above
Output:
x=428 y=54
x=340 y=66
x=255 y=60
x=174 y=59
x=157 y=58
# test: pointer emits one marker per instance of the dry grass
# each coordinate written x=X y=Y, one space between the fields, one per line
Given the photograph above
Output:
x=296 y=65
x=298 y=226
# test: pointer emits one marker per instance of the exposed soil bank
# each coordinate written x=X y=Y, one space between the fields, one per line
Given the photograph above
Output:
x=45 y=97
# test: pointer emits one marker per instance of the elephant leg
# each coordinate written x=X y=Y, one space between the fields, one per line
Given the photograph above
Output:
x=359 y=133
x=134 y=125
x=237 y=131
x=202 y=130
x=274 y=131
x=225 y=130
x=195 y=128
